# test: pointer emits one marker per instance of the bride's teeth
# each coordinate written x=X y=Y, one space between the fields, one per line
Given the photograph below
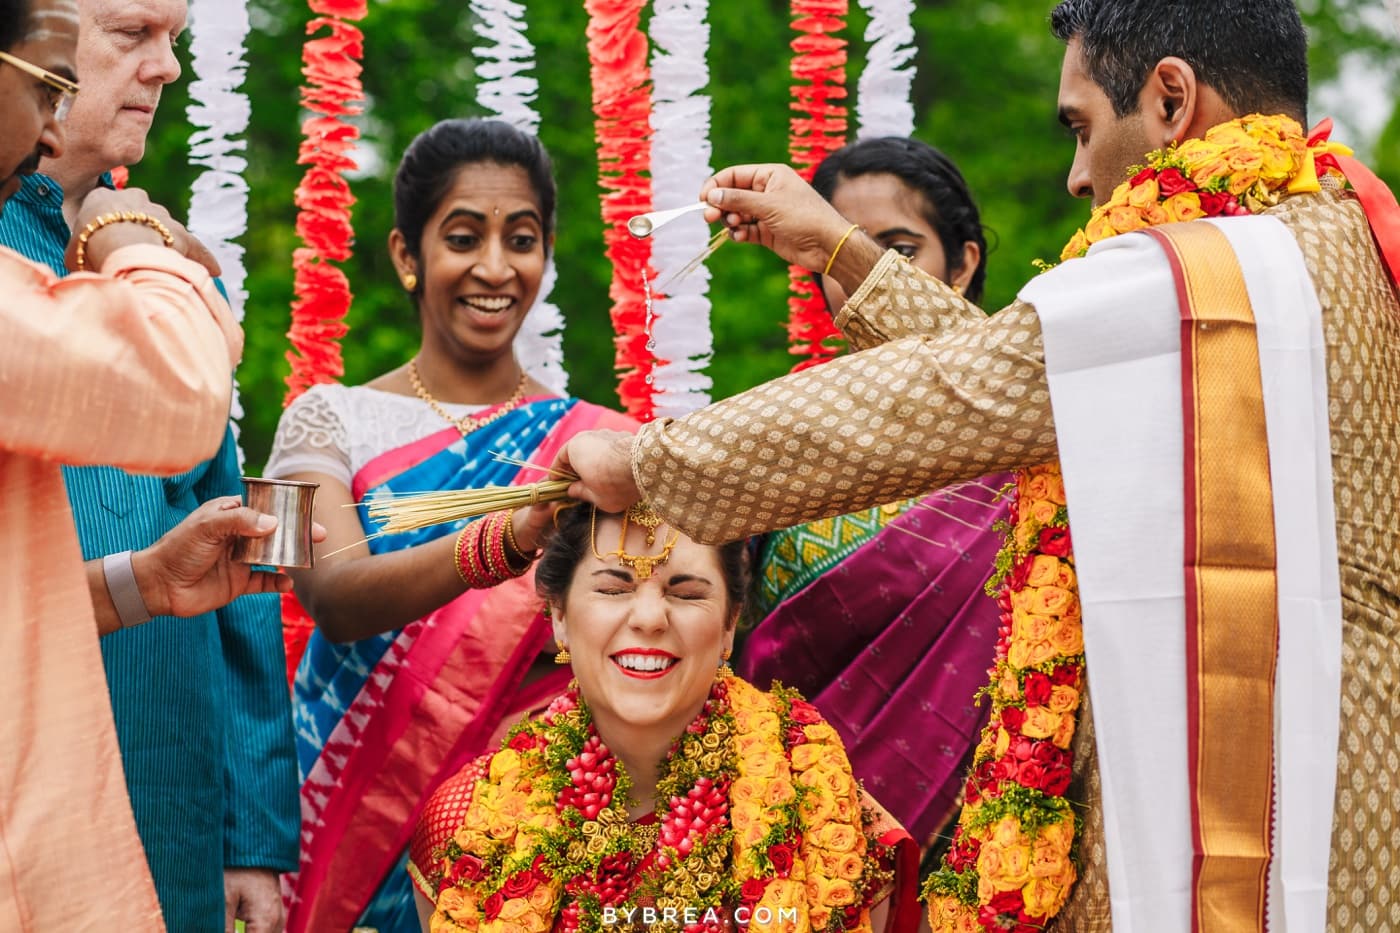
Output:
x=644 y=662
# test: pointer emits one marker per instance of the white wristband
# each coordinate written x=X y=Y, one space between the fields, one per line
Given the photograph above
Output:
x=121 y=586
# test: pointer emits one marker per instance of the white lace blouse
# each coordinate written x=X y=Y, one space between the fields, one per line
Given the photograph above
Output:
x=336 y=430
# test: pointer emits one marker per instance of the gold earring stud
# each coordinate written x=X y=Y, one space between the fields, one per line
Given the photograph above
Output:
x=410 y=282
x=563 y=656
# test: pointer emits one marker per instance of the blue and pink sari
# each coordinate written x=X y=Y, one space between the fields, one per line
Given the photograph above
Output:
x=383 y=721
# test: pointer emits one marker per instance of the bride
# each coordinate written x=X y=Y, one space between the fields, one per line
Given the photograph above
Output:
x=659 y=791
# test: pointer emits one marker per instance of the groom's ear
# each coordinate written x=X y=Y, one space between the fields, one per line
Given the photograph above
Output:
x=1170 y=100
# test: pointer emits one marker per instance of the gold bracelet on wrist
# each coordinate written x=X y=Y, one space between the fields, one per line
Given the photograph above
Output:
x=839 y=243
x=513 y=547
x=134 y=217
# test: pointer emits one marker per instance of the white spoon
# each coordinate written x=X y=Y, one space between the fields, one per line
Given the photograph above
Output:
x=644 y=225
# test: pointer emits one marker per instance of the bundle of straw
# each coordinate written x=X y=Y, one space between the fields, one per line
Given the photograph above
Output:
x=421 y=509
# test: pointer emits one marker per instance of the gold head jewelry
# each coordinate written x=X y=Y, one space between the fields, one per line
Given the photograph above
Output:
x=643 y=515
x=410 y=282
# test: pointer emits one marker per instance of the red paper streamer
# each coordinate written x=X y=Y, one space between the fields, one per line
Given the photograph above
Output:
x=617 y=55
x=330 y=64
x=331 y=67
x=819 y=64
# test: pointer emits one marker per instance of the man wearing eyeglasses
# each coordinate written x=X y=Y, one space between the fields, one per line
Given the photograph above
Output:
x=131 y=365
x=206 y=737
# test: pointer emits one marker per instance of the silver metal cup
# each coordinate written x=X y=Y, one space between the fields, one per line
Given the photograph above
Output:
x=289 y=545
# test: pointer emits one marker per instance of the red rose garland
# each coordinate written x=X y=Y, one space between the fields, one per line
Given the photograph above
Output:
x=617 y=51
x=819 y=62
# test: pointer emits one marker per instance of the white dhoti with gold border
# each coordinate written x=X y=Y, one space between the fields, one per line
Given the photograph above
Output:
x=1113 y=351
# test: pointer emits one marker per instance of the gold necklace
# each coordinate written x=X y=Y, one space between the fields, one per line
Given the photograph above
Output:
x=469 y=423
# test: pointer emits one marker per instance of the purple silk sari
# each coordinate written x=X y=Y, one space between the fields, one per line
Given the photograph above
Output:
x=892 y=643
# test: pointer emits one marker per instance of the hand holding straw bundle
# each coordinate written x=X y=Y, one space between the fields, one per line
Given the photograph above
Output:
x=419 y=510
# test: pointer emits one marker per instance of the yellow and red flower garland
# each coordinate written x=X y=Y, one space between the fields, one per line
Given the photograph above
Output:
x=1010 y=866
x=762 y=812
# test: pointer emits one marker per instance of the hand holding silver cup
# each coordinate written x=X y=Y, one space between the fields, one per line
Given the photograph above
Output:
x=289 y=502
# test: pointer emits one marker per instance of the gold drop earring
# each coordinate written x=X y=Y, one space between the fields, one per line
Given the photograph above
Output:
x=410 y=282
x=724 y=669
x=563 y=656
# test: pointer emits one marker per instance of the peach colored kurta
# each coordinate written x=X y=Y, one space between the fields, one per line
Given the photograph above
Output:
x=132 y=368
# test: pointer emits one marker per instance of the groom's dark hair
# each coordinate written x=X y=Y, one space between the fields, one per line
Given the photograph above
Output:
x=1254 y=53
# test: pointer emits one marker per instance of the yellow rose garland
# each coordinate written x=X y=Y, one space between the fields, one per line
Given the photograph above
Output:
x=763 y=824
x=1011 y=864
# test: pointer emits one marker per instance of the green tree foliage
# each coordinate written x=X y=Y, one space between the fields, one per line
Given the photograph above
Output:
x=987 y=73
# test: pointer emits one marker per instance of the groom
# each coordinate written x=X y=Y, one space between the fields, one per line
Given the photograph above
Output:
x=940 y=394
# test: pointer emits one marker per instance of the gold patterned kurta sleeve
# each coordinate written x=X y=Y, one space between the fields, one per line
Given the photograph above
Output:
x=922 y=306
x=896 y=420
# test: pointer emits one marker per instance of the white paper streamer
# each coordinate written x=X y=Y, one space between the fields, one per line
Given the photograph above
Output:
x=219 y=112
x=680 y=163
x=507 y=91
x=883 y=105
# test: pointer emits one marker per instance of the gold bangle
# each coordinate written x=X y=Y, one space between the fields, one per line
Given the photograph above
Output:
x=839 y=243
x=513 y=546
x=134 y=217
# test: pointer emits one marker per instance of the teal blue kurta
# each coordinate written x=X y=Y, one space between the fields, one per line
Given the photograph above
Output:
x=201 y=704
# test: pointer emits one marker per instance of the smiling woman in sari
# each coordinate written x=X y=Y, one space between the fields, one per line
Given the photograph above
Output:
x=421 y=651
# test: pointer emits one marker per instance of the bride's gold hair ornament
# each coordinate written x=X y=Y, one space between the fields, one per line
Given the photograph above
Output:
x=640 y=513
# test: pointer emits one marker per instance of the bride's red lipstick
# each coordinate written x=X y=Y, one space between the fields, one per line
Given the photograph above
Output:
x=645 y=652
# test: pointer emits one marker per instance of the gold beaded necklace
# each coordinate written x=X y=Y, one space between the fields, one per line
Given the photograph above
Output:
x=469 y=423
